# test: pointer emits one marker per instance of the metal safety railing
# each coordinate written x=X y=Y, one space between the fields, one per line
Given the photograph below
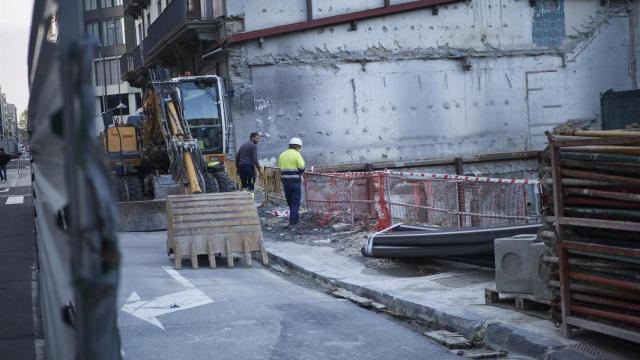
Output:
x=268 y=182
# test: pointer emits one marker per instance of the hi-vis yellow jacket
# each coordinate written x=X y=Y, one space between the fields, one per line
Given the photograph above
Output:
x=291 y=165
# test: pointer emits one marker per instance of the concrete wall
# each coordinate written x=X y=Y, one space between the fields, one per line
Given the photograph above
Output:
x=396 y=89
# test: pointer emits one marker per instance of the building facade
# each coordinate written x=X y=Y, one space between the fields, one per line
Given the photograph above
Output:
x=104 y=19
x=8 y=118
x=373 y=80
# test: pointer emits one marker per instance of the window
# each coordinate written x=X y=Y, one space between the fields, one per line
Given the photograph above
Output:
x=112 y=72
x=93 y=29
x=112 y=32
x=90 y=4
x=548 y=23
x=159 y=4
x=148 y=19
x=140 y=34
x=110 y=3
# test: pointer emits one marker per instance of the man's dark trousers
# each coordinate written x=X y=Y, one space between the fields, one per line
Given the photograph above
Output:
x=247 y=176
x=3 y=172
x=293 y=193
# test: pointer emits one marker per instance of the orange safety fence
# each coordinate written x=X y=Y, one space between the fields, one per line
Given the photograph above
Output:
x=421 y=198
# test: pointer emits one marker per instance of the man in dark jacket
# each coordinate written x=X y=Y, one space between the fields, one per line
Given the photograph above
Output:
x=4 y=160
x=247 y=162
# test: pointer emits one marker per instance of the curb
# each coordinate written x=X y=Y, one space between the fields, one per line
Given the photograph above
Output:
x=494 y=333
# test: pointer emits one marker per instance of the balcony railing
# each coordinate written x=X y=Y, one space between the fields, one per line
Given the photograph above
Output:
x=133 y=7
x=175 y=16
x=177 y=13
x=129 y=63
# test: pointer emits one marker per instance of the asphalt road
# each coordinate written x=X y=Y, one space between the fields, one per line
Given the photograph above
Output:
x=245 y=313
x=18 y=252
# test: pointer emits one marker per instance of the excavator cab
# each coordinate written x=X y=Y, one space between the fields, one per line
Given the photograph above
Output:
x=204 y=111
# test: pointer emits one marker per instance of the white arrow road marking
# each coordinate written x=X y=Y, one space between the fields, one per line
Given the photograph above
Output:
x=151 y=309
x=4 y=190
x=177 y=277
x=134 y=297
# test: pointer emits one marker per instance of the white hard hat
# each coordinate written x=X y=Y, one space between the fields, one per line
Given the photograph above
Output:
x=295 y=141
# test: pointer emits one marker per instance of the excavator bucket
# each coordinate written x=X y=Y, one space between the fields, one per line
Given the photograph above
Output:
x=213 y=224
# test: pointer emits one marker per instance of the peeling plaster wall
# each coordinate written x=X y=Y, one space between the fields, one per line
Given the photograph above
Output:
x=395 y=88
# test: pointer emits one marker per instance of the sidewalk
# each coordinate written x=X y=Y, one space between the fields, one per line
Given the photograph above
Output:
x=18 y=253
x=451 y=298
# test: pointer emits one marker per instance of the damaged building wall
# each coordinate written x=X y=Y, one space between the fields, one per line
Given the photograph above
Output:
x=415 y=85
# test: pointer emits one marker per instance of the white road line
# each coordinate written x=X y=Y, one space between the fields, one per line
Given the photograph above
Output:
x=177 y=277
x=14 y=200
x=4 y=196
x=4 y=190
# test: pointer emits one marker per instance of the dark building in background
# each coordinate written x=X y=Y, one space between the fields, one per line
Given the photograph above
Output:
x=104 y=19
x=177 y=34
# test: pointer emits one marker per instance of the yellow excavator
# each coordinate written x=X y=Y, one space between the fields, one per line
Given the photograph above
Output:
x=168 y=163
x=177 y=145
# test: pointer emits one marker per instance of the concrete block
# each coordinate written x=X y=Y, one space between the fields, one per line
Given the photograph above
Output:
x=513 y=269
x=449 y=339
x=539 y=272
x=148 y=215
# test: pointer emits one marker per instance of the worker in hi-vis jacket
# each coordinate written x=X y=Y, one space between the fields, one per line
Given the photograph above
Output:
x=291 y=166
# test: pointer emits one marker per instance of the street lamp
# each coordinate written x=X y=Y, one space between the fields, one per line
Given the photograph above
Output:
x=120 y=107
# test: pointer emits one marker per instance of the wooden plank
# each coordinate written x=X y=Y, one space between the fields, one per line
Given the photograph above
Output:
x=212 y=254
x=211 y=206
x=218 y=245
x=227 y=195
x=216 y=224
x=523 y=303
x=491 y=296
x=194 y=203
x=194 y=255
x=604 y=328
x=177 y=258
x=247 y=253
x=240 y=231
x=181 y=219
x=229 y=254
x=228 y=199
x=213 y=210
x=227 y=202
